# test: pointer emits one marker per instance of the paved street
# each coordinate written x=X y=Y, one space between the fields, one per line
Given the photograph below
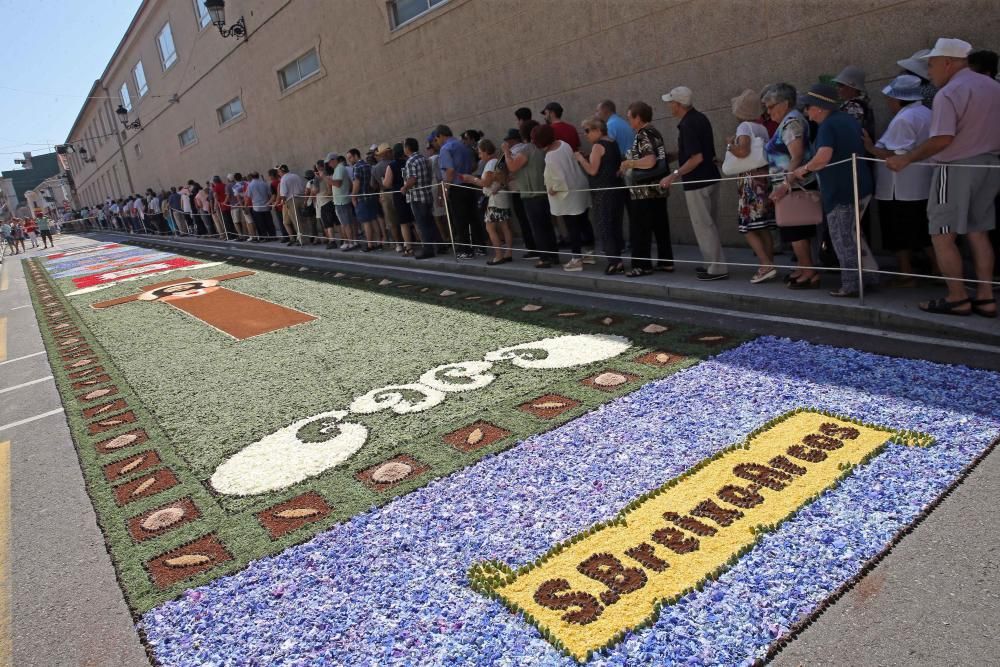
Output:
x=928 y=602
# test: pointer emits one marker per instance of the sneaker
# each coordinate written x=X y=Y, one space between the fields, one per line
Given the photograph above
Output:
x=399 y=248
x=480 y=252
x=345 y=246
x=575 y=264
x=464 y=255
x=588 y=257
x=712 y=276
x=531 y=254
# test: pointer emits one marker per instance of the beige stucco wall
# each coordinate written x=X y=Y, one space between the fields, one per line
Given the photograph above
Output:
x=470 y=63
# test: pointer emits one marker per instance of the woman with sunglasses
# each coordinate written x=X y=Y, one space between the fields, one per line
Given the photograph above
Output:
x=607 y=202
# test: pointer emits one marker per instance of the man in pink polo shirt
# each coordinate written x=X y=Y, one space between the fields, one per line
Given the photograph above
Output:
x=964 y=131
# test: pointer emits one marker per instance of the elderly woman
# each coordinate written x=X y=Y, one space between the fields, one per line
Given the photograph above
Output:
x=788 y=149
x=567 y=189
x=647 y=210
x=755 y=211
x=602 y=166
x=902 y=196
x=838 y=139
x=855 y=101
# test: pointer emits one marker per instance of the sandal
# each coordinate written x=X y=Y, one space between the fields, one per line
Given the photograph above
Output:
x=978 y=310
x=614 y=269
x=495 y=261
x=812 y=283
x=638 y=273
x=844 y=293
x=944 y=307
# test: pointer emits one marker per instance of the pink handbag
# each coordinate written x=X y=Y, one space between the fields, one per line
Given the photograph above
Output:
x=799 y=208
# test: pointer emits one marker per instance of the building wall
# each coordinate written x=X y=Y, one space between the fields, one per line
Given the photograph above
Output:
x=470 y=63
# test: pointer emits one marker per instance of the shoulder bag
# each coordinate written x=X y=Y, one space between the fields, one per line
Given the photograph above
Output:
x=798 y=208
x=733 y=166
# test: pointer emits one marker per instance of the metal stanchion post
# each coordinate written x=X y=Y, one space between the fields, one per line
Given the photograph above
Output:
x=447 y=215
x=295 y=220
x=857 y=229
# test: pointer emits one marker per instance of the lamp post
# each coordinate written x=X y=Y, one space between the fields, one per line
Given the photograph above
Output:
x=217 y=10
x=122 y=114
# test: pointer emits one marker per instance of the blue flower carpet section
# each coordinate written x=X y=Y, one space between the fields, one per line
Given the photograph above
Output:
x=390 y=587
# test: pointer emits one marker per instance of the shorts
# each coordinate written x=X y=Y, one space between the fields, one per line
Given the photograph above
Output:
x=367 y=209
x=962 y=200
x=328 y=215
x=345 y=213
x=45 y=234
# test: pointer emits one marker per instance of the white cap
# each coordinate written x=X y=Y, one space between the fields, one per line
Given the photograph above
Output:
x=948 y=47
x=680 y=94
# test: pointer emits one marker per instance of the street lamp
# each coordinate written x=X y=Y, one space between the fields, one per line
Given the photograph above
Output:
x=217 y=10
x=122 y=113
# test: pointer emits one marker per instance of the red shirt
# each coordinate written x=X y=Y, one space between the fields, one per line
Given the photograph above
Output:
x=566 y=132
x=220 y=195
x=275 y=185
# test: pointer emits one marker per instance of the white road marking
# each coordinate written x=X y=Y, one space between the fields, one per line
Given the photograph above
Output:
x=27 y=305
x=27 y=356
x=26 y=384
x=31 y=419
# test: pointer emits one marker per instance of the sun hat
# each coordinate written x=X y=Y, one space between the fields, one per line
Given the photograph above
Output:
x=746 y=105
x=821 y=95
x=852 y=77
x=916 y=63
x=905 y=87
x=949 y=47
x=680 y=94
x=383 y=148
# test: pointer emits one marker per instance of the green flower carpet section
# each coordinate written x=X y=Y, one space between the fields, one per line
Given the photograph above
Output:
x=230 y=409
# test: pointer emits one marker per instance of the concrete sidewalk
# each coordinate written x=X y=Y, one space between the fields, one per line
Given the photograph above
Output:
x=889 y=309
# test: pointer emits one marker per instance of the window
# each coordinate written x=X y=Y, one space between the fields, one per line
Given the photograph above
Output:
x=230 y=110
x=187 y=137
x=204 y=18
x=402 y=11
x=126 y=101
x=165 y=40
x=302 y=68
x=140 y=79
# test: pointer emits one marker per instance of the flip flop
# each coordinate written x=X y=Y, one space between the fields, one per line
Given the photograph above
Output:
x=978 y=310
x=944 y=307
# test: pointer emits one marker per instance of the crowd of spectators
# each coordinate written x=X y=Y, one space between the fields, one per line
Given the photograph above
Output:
x=790 y=161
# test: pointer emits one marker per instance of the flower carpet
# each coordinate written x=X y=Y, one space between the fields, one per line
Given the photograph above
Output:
x=292 y=467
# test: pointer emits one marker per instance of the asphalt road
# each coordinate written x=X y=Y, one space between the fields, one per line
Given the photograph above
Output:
x=932 y=601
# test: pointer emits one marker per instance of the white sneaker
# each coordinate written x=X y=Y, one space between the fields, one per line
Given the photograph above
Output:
x=343 y=246
x=588 y=257
x=575 y=264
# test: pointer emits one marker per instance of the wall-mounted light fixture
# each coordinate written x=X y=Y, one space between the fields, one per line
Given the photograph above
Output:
x=217 y=10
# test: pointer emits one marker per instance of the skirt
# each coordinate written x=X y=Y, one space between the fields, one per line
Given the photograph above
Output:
x=904 y=224
x=756 y=210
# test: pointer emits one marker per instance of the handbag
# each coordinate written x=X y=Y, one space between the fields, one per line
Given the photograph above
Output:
x=733 y=165
x=799 y=208
x=652 y=175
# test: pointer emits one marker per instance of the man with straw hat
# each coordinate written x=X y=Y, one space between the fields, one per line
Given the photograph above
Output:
x=965 y=142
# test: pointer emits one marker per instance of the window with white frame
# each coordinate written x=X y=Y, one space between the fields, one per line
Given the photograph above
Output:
x=403 y=11
x=126 y=100
x=230 y=110
x=302 y=68
x=187 y=137
x=204 y=18
x=140 y=79
x=165 y=41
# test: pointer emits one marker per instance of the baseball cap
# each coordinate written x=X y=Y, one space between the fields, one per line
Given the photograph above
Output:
x=553 y=106
x=948 y=47
x=331 y=156
x=680 y=94
x=513 y=134
x=431 y=137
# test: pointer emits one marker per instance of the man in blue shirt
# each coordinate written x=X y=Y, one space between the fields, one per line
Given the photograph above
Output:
x=455 y=159
x=618 y=127
x=839 y=137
